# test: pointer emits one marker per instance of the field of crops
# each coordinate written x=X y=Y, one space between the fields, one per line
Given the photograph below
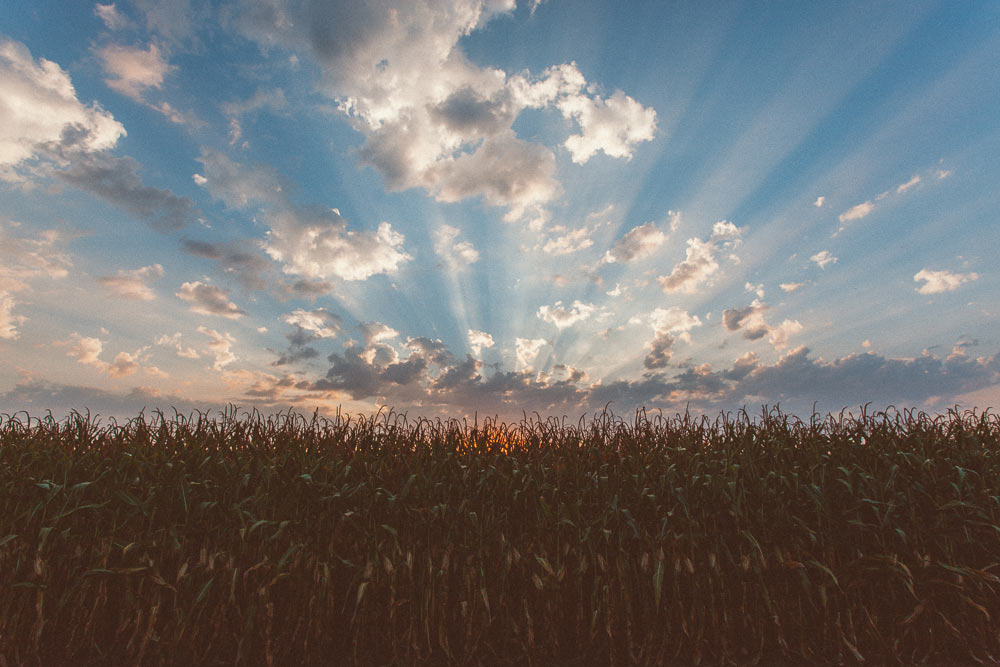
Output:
x=285 y=540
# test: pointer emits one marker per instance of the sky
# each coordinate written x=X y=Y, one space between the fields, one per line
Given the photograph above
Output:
x=488 y=207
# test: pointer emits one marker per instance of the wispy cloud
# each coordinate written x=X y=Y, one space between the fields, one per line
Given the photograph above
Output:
x=823 y=259
x=132 y=284
x=208 y=299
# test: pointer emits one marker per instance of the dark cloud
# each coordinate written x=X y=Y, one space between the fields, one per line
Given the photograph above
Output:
x=116 y=180
x=466 y=112
x=659 y=355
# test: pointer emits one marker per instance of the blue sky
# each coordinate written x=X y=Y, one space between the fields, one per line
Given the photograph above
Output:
x=460 y=206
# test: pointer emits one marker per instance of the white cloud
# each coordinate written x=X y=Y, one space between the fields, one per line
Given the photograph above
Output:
x=569 y=242
x=208 y=300
x=38 y=105
x=112 y=18
x=133 y=70
x=454 y=252
x=755 y=289
x=310 y=241
x=319 y=322
x=613 y=125
x=674 y=320
x=909 y=184
x=175 y=342
x=23 y=259
x=698 y=264
x=526 y=350
x=790 y=287
x=823 y=258
x=125 y=364
x=220 y=347
x=478 y=340
x=857 y=212
x=132 y=284
x=86 y=350
x=9 y=322
x=432 y=118
x=819 y=202
x=778 y=336
x=942 y=174
x=564 y=317
x=639 y=242
x=937 y=282
x=376 y=332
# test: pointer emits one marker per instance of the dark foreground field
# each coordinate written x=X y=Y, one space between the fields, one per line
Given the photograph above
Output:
x=289 y=541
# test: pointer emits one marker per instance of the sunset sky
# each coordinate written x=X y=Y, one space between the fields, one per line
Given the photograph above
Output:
x=459 y=206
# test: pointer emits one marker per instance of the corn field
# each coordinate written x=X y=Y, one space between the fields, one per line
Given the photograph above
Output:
x=285 y=540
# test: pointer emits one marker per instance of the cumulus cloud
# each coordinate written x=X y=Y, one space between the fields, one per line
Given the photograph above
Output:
x=87 y=351
x=563 y=316
x=857 y=212
x=526 y=350
x=674 y=320
x=454 y=252
x=637 y=243
x=478 y=340
x=936 y=282
x=132 y=284
x=566 y=241
x=430 y=117
x=320 y=322
x=751 y=321
x=133 y=70
x=613 y=125
x=790 y=287
x=309 y=241
x=220 y=347
x=699 y=262
x=174 y=341
x=819 y=202
x=660 y=352
x=39 y=107
x=823 y=258
x=208 y=299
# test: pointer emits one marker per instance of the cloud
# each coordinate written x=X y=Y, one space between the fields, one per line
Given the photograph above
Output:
x=262 y=99
x=113 y=19
x=219 y=347
x=660 y=352
x=455 y=253
x=751 y=321
x=569 y=242
x=819 y=202
x=430 y=117
x=637 y=243
x=790 y=287
x=564 y=317
x=376 y=332
x=320 y=322
x=9 y=322
x=909 y=184
x=132 y=284
x=39 y=108
x=478 y=340
x=757 y=289
x=209 y=300
x=133 y=70
x=23 y=259
x=857 y=212
x=175 y=342
x=822 y=258
x=308 y=241
x=613 y=125
x=699 y=262
x=674 y=320
x=526 y=350
x=116 y=180
x=87 y=350
x=936 y=282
